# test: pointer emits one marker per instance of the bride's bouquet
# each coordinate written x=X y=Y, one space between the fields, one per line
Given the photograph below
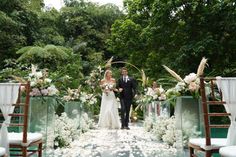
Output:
x=107 y=87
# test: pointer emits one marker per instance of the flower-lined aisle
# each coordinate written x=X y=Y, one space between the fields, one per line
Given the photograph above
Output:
x=135 y=142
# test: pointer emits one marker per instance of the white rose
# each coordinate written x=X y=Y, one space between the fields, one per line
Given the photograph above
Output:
x=38 y=74
x=48 y=80
x=83 y=99
x=52 y=90
x=180 y=86
x=193 y=86
x=32 y=83
x=190 y=78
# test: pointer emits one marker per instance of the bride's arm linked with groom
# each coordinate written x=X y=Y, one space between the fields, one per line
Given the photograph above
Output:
x=126 y=89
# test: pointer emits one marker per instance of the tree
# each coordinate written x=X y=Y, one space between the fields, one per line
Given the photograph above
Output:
x=177 y=33
x=18 y=25
x=48 y=32
x=48 y=56
x=10 y=37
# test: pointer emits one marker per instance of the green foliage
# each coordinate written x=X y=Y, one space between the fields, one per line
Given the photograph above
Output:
x=10 y=38
x=70 y=73
x=18 y=25
x=12 y=68
x=48 y=56
x=48 y=32
x=36 y=4
x=177 y=33
x=87 y=25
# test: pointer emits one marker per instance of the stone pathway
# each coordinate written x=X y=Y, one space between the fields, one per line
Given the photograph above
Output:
x=117 y=143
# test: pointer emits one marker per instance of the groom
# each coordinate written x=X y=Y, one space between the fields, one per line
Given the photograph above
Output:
x=127 y=87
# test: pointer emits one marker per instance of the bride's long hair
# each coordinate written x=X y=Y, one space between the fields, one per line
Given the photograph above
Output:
x=105 y=74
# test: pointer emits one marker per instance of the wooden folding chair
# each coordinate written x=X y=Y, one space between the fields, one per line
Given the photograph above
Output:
x=208 y=144
x=23 y=143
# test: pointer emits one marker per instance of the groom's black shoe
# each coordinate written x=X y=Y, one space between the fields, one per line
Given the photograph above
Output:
x=122 y=127
x=127 y=128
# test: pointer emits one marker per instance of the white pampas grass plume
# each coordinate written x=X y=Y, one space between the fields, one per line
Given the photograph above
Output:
x=108 y=64
x=33 y=68
x=174 y=74
x=201 y=67
x=144 y=78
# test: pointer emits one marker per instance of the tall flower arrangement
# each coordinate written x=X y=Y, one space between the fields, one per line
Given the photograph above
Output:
x=191 y=82
x=40 y=83
x=157 y=94
x=150 y=95
x=94 y=78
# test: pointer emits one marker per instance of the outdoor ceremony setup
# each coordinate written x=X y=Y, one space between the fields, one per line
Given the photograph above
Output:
x=149 y=79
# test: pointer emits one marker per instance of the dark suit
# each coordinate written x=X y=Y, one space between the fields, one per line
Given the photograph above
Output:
x=126 y=97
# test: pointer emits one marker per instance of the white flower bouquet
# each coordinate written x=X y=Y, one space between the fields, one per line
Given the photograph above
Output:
x=40 y=84
x=190 y=85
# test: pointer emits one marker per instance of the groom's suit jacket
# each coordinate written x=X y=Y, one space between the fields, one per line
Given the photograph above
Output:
x=129 y=88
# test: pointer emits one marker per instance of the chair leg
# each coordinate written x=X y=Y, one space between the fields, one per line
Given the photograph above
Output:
x=40 y=147
x=191 y=152
x=24 y=151
x=208 y=153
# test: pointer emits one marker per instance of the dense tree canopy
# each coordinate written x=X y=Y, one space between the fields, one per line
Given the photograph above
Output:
x=147 y=34
x=177 y=33
x=82 y=26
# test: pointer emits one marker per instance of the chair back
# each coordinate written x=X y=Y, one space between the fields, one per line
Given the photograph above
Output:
x=211 y=97
x=19 y=117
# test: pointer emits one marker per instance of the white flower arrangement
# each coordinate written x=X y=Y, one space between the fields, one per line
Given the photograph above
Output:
x=148 y=123
x=191 y=83
x=157 y=94
x=78 y=95
x=72 y=94
x=150 y=96
x=164 y=129
x=94 y=77
x=68 y=130
x=40 y=84
x=161 y=125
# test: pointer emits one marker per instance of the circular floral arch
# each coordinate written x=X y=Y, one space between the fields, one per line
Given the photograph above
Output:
x=141 y=71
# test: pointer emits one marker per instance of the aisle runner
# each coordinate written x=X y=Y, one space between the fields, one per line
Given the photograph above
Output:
x=117 y=143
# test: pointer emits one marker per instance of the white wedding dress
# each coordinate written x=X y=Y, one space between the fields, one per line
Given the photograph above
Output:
x=109 y=117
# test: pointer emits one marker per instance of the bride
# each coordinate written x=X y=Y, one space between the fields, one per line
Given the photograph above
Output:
x=108 y=117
